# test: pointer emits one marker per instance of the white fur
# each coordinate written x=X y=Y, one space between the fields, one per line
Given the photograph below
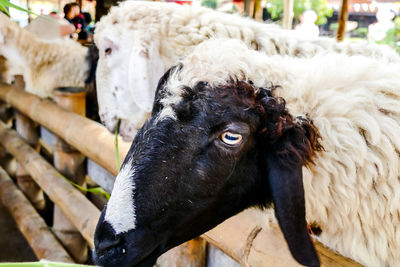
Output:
x=44 y=65
x=120 y=211
x=170 y=32
x=353 y=190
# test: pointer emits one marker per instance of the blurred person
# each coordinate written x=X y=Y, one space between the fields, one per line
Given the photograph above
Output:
x=69 y=12
x=307 y=27
x=377 y=31
x=79 y=22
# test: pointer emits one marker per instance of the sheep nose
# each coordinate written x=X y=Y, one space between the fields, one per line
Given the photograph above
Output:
x=108 y=244
x=105 y=238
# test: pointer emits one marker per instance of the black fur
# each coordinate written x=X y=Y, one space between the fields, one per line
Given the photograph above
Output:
x=188 y=180
x=92 y=107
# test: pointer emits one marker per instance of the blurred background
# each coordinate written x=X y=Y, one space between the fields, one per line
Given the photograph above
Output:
x=377 y=21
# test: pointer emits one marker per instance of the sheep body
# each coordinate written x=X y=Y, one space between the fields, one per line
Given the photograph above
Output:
x=157 y=35
x=352 y=189
x=44 y=65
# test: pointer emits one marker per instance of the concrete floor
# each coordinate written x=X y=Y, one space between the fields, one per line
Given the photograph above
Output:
x=13 y=246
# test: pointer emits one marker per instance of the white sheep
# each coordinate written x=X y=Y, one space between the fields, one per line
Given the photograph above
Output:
x=352 y=189
x=139 y=40
x=44 y=65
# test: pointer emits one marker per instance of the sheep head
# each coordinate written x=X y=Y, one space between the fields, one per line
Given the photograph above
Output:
x=200 y=159
x=128 y=70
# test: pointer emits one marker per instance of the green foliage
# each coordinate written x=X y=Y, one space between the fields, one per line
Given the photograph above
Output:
x=42 y=263
x=4 y=4
x=275 y=8
x=393 y=36
x=361 y=32
x=209 y=3
x=94 y=190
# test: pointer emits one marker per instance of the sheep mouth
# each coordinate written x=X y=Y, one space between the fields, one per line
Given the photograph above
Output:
x=122 y=257
x=149 y=260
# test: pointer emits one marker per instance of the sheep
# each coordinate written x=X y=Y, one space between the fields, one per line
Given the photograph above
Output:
x=44 y=65
x=233 y=128
x=139 y=41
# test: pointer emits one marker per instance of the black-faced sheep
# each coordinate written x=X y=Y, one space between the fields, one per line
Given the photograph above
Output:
x=44 y=65
x=233 y=128
x=139 y=41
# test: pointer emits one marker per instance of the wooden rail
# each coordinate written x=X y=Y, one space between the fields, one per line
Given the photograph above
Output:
x=77 y=208
x=241 y=237
x=32 y=226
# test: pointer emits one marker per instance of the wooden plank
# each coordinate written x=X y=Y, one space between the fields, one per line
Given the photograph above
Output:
x=244 y=239
x=68 y=126
x=71 y=164
x=288 y=14
x=77 y=208
x=32 y=226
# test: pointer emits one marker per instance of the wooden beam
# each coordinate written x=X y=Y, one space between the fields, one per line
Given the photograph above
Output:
x=240 y=236
x=71 y=164
x=32 y=226
x=247 y=7
x=288 y=14
x=77 y=208
x=244 y=239
x=68 y=126
x=342 y=21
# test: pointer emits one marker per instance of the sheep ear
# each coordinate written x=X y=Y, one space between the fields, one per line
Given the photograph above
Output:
x=145 y=69
x=286 y=185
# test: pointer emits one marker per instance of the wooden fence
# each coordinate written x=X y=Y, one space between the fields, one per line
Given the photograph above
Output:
x=240 y=237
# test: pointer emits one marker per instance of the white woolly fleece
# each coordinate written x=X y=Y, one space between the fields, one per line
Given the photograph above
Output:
x=44 y=65
x=163 y=33
x=353 y=190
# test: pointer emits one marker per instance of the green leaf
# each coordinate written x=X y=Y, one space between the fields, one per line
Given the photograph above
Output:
x=3 y=8
x=6 y=3
x=95 y=190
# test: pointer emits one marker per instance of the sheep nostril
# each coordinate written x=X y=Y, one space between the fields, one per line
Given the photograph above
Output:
x=108 y=244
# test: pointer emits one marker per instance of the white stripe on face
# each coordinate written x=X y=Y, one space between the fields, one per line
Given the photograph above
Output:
x=120 y=211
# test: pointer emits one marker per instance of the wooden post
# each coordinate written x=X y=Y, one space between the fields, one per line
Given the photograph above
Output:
x=70 y=163
x=288 y=14
x=4 y=70
x=32 y=226
x=257 y=10
x=189 y=254
x=247 y=7
x=342 y=21
x=78 y=209
x=27 y=129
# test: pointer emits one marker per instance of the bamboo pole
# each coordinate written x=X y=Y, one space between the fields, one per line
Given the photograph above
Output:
x=27 y=129
x=68 y=126
x=71 y=164
x=257 y=10
x=29 y=222
x=189 y=254
x=233 y=236
x=342 y=21
x=288 y=14
x=77 y=208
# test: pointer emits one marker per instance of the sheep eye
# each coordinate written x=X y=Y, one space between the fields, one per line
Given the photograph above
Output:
x=108 y=51
x=231 y=139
